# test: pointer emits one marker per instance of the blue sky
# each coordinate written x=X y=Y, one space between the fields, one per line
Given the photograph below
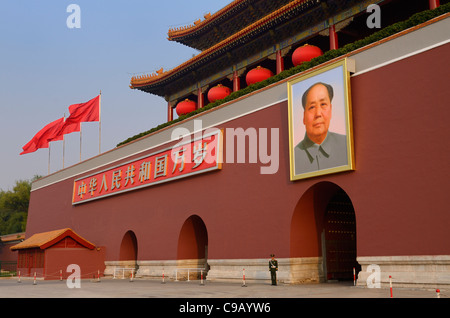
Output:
x=46 y=66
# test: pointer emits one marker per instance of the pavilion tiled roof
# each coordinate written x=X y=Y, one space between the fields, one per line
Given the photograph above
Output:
x=202 y=34
x=150 y=79
x=46 y=239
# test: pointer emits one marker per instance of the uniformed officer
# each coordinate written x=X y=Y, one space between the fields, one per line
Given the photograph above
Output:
x=273 y=268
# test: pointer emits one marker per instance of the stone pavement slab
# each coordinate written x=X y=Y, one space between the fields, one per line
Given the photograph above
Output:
x=222 y=297
x=146 y=288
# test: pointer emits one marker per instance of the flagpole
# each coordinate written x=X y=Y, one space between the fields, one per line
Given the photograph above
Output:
x=100 y=122
x=80 y=142
x=64 y=144
x=49 y=145
x=64 y=149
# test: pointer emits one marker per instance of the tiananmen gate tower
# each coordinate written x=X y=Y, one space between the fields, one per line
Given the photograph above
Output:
x=304 y=128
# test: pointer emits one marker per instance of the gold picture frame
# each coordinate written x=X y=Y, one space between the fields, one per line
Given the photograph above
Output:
x=320 y=137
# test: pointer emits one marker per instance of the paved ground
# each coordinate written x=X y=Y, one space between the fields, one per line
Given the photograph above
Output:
x=123 y=288
x=224 y=297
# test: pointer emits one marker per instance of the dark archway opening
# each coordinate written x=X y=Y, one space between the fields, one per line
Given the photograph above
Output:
x=340 y=238
x=324 y=227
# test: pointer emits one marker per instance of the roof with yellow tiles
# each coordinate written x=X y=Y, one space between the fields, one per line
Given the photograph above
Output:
x=149 y=79
x=46 y=239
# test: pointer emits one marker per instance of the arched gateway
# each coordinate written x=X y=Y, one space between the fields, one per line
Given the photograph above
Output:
x=128 y=247
x=323 y=235
x=128 y=252
x=192 y=249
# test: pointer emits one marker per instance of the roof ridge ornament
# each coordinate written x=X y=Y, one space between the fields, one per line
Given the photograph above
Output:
x=173 y=32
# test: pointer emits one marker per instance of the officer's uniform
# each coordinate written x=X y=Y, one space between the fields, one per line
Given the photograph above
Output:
x=273 y=268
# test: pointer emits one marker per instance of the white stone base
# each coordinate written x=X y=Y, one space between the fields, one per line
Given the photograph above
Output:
x=172 y=269
x=165 y=269
x=405 y=271
x=290 y=270
x=119 y=269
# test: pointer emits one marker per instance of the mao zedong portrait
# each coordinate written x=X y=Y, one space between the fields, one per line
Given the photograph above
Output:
x=320 y=149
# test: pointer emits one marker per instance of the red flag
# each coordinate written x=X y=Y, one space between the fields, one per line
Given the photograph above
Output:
x=89 y=111
x=49 y=133
x=67 y=128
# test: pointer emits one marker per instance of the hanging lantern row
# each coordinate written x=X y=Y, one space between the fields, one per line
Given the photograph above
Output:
x=218 y=92
x=185 y=107
x=215 y=93
x=305 y=53
x=258 y=74
x=302 y=54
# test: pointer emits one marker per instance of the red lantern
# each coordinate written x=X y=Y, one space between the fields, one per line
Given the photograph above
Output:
x=258 y=74
x=218 y=92
x=305 y=53
x=186 y=107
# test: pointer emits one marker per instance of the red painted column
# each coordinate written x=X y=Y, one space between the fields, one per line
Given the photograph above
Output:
x=333 y=38
x=236 y=81
x=169 y=112
x=199 y=98
x=434 y=4
x=279 y=62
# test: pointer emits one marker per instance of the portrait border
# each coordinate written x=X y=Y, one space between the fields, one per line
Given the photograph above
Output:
x=348 y=121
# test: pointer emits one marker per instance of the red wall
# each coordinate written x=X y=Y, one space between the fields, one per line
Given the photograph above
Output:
x=5 y=252
x=90 y=262
x=398 y=188
x=400 y=119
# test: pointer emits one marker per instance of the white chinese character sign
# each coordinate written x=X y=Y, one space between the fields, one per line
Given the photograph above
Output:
x=185 y=159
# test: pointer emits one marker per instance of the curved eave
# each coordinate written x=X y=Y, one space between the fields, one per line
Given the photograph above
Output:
x=144 y=81
x=175 y=34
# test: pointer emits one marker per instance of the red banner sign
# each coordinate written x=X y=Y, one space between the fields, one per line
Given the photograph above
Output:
x=183 y=160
